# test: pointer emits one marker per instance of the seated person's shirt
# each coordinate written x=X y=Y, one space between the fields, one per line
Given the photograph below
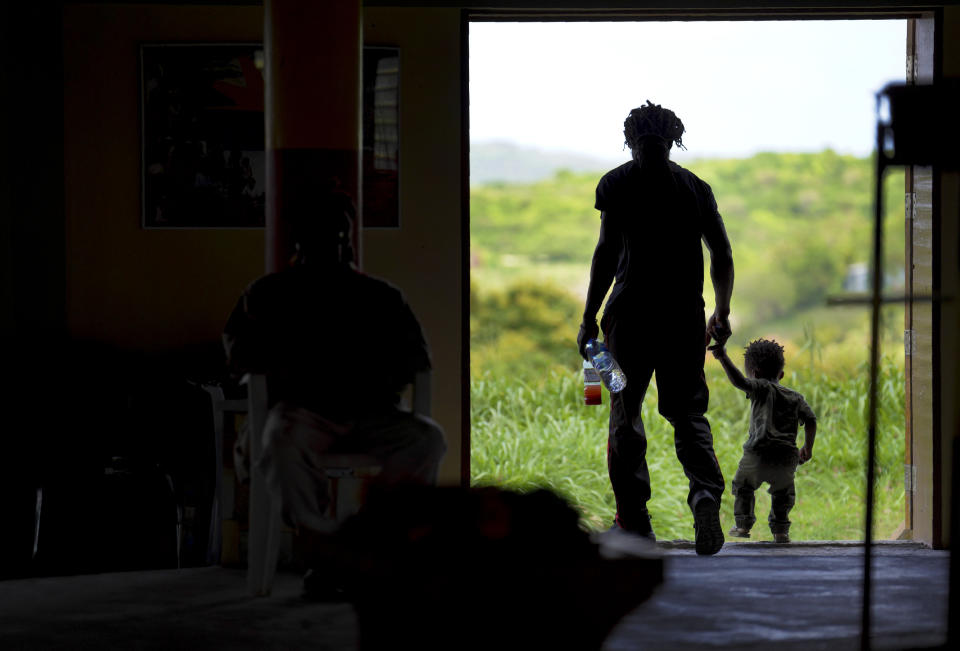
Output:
x=329 y=339
x=776 y=413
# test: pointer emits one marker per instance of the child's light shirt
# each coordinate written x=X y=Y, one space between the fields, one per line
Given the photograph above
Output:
x=776 y=413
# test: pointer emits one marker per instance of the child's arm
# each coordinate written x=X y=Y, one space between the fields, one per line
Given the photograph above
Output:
x=809 y=434
x=733 y=373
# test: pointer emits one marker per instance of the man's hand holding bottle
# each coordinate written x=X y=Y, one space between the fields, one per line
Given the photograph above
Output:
x=588 y=330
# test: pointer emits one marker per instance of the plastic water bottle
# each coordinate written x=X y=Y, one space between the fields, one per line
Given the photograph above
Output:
x=591 y=385
x=606 y=366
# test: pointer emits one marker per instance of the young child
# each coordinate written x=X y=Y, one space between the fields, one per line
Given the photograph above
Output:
x=770 y=454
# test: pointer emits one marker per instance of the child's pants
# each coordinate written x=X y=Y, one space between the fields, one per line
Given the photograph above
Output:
x=778 y=471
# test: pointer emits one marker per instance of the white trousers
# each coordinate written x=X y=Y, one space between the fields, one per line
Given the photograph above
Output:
x=409 y=448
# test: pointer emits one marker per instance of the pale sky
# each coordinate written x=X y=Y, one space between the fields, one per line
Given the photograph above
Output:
x=739 y=87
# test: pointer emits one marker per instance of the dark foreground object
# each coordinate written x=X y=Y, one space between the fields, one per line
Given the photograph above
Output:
x=484 y=568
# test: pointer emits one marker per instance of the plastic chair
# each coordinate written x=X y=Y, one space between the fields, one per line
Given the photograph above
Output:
x=222 y=407
x=343 y=471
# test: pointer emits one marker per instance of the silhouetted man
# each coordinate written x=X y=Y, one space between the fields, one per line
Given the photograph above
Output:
x=654 y=214
x=338 y=347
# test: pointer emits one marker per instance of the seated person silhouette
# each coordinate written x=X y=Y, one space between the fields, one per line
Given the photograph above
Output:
x=337 y=347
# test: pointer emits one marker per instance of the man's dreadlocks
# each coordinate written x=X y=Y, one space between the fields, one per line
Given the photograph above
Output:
x=652 y=119
x=764 y=356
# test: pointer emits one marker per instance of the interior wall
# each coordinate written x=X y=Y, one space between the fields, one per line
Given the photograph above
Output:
x=949 y=199
x=156 y=290
x=141 y=289
x=31 y=164
x=422 y=257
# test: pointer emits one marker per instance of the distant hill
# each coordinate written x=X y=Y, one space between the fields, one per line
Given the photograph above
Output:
x=506 y=162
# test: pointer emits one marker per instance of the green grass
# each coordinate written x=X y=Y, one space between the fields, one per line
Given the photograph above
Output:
x=540 y=434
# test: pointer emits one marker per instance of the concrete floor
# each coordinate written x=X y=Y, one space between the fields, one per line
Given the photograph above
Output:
x=799 y=596
x=749 y=596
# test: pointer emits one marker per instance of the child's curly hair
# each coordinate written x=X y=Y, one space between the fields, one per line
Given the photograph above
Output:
x=764 y=356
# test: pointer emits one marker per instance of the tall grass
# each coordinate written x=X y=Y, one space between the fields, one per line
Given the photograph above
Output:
x=538 y=433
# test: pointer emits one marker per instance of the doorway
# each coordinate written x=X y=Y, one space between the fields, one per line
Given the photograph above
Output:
x=798 y=218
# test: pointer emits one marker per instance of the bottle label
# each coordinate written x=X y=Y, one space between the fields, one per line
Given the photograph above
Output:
x=591 y=375
x=592 y=394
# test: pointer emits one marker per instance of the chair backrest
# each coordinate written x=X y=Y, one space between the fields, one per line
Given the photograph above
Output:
x=421 y=393
x=222 y=407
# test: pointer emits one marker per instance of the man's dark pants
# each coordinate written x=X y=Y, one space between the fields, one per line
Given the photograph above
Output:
x=673 y=347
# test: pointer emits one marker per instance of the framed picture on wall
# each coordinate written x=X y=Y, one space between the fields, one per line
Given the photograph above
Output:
x=381 y=137
x=202 y=136
x=203 y=155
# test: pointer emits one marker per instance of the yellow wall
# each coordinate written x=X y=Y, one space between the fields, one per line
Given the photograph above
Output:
x=423 y=256
x=142 y=289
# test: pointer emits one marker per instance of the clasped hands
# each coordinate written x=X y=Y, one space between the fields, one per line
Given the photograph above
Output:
x=718 y=327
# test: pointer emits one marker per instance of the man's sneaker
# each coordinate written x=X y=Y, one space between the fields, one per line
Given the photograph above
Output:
x=709 y=531
x=739 y=532
x=781 y=538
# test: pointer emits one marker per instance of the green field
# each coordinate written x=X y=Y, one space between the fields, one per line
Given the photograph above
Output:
x=797 y=223
x=542 y=435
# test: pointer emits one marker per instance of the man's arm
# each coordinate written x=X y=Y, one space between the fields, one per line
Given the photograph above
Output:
x=809 y=435
x=603 y=267
x=721 y=271
x=733 y=373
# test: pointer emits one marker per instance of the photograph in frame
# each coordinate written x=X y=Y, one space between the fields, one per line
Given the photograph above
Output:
x=203 y=159
x=381 y=139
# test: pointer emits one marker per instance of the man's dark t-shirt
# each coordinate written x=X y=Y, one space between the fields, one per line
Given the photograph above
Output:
x=659 y=220
x=330 y=339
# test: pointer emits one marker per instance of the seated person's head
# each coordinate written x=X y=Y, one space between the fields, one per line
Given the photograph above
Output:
x=650 y=131
x=763 y=359
x=324 y=234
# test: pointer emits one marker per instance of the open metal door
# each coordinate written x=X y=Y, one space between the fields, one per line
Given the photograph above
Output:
x=922 y=466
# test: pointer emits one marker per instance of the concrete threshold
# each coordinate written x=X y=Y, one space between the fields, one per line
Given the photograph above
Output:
x=801 y=547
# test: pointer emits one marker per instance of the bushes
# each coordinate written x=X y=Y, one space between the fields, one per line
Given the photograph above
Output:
x=795 y=221
x=524 y=331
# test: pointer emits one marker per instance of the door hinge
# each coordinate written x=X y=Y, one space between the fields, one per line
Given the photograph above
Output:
x=908 y=342
x=910 y=206
x=910 y=478
x=913 y=70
